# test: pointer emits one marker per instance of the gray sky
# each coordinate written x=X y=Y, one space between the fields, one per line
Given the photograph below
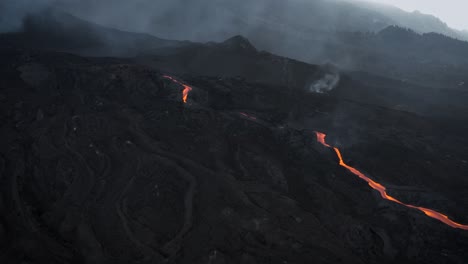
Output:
x=453 y=12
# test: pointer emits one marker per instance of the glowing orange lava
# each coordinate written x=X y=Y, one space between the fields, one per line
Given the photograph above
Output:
x=186 y=90
x=383 y=191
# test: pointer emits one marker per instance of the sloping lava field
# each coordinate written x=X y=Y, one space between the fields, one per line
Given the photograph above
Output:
x=101 y=161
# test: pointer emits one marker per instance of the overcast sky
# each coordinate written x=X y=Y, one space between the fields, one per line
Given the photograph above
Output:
x=453 y=12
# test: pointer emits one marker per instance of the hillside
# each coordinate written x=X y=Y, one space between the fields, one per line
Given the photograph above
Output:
x=208 y=20
x=57 y=31
x=102 y=162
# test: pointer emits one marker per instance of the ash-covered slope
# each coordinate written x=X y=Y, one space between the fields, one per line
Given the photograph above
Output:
x=101 y=162
x=431 y=60
x=356 y=37
x=54 y=30
x=349 y=34
x=236 y=56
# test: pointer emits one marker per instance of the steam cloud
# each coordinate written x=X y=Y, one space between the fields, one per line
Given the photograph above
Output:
x=325 y=84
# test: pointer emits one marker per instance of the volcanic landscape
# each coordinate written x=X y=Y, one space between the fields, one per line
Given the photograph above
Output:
x=183 y=152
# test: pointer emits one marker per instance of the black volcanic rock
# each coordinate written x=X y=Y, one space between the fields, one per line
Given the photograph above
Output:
x=101 y=162
x=235 y=56
x=228 y=58
x=237 y=43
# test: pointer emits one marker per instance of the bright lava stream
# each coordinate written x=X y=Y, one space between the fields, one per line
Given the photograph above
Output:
x=382 y=190
x=186 y=90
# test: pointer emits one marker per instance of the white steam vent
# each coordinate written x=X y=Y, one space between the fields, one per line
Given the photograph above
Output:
x=325 y=84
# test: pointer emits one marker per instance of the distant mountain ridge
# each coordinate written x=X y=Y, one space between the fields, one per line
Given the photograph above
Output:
x=431 y=59
x=343 y=32
x=417 y=21
x=215 y=20
x=59 y=31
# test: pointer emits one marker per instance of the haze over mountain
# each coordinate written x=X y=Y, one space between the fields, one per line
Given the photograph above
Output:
x=450 y=11
x=431 y=61
x=209 y=20
x=55 y=30
x=319 y=31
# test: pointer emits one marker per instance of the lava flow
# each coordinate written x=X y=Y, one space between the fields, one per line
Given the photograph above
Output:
x=383 y=191
x=253 y=118
x=186 y=90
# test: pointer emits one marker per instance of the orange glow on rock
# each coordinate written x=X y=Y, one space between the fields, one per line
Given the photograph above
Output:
x=185 y=92
x=253 y=118
x=383 y=191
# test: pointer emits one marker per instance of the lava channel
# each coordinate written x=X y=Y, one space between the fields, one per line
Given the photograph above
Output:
x=185 y=92
x=383 y=191
x=253 y=118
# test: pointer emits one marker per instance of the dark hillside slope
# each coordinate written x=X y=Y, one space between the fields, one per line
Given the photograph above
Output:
x=57 y=31
x=238 y=57
x=101 y=162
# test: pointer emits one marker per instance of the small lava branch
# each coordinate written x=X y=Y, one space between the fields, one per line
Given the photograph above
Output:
x=185 y=92
x=253 y=118
x=383 y=191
